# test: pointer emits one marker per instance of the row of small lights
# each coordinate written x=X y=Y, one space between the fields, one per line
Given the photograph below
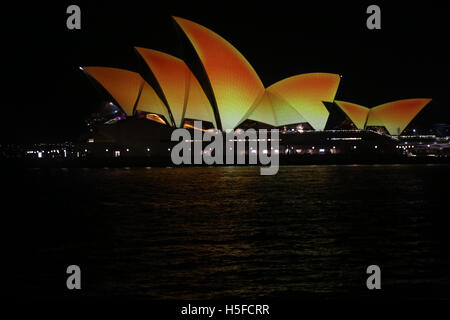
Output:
x=127 y=150
x=334 y=147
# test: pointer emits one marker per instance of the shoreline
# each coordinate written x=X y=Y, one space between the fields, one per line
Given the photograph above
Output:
x=165 y=161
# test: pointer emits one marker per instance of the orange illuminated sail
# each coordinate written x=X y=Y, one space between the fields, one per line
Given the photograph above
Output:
x=151 y=103
x=396 y=115
x=172 y=76
x=123 y=85
x=274 y=110
x=198 y=106
x=358 y=114
x=305 y=93
x=181 y=89
x=235 y=84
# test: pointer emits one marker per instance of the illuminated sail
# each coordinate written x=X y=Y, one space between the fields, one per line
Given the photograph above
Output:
x=151 y=103
x=396 y=115
x=305 y=93
x=181 y=89
x=122 y=85
x=358 y=114
x=235 y=84
x=275 y=111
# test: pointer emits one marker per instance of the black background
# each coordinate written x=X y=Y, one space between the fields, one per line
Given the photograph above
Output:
x=45 y=97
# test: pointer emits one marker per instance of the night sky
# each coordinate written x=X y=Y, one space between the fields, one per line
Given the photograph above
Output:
x=45 y=97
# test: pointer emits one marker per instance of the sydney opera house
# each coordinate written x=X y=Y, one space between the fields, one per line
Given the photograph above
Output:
x=214 y=83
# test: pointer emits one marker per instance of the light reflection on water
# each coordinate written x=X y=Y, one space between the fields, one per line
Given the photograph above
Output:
x=197 y=233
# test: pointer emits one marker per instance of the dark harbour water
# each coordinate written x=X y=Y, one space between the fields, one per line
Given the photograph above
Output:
x=201 y=233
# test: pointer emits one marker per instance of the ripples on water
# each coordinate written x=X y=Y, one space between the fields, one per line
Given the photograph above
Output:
x=200 y=233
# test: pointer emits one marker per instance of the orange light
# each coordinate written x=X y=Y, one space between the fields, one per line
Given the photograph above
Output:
x=155 y=117
x=396 y=115
x=235 y=84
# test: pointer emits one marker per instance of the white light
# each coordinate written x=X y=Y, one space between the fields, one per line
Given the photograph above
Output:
x=106 y=150
x=128 y=150
x=354 y=147
x=376 y=147
x=148 y=149
x=265 y=151
x=321 y=150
